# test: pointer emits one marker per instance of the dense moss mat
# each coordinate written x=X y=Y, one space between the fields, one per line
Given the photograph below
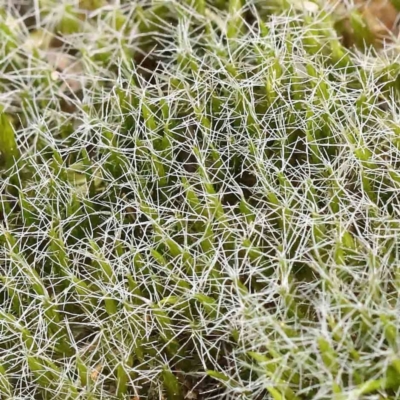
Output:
x=198 y=199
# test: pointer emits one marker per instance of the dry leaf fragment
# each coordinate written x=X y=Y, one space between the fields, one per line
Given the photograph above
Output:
x=94 y=375
x=70 y=70
x=380 y=16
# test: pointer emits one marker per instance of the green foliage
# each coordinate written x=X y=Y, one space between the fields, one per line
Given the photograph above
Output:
x=198 y=198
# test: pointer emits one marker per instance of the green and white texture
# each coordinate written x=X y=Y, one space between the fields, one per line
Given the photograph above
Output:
x=199 y=199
